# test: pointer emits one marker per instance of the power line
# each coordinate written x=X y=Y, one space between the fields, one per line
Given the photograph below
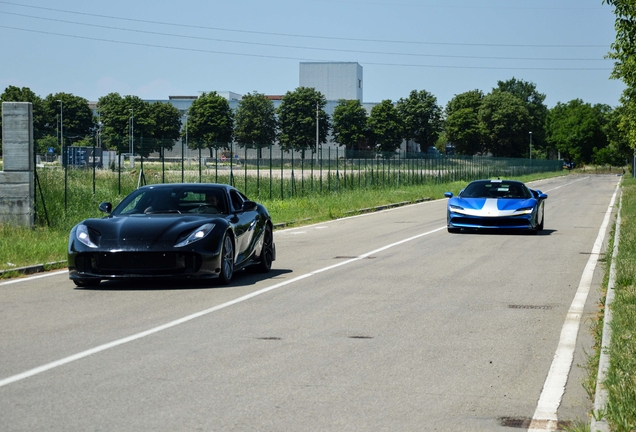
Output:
x=296 y=58
x=296 y=46
x=297 y=35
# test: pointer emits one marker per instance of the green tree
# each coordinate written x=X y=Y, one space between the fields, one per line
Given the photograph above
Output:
x=45 y=143
x=624 y=55
x=618 y=149
x=385 y=125
x=121 y=117
x=505 y=121
x=624 y=49
x=166 y=127
x=77 y=117
x=210 y=123
x=255 y=121
x=576 y=130
x=462 y=125
x=297 y=120
x=350 y=124
x=421 y=118
x=534 y=103
x=24 y=94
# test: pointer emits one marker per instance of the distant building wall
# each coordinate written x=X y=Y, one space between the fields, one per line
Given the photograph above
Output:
x=334 y=80
x=17 y=189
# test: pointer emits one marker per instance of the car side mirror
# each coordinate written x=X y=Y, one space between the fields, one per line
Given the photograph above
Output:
x=249 y=206
x=539 y=195
x=105 y=207
x=448 y=194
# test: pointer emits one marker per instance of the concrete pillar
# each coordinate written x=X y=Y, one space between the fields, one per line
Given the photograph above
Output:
x=17 y=187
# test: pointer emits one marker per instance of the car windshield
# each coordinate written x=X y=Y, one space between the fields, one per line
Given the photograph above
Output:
x=495 y=189
x=178 y=199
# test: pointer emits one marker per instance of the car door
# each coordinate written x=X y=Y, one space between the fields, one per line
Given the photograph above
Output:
x=244 y=222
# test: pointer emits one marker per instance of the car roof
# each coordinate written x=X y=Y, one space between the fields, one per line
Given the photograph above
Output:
x=498 y=181
x=192 y=186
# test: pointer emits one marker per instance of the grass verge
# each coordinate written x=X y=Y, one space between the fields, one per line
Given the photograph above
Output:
x=621 y=376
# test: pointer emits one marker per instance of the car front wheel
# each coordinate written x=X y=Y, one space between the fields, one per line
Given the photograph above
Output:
x=267 y=253
x=227 y=260
x=540 y=226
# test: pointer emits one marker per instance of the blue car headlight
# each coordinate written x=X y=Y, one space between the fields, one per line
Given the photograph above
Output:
x=82 y=235
x=455 y=208
x=196 y=235
x=525 y=210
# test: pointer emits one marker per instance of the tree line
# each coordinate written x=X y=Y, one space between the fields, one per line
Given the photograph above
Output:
x=510 y=121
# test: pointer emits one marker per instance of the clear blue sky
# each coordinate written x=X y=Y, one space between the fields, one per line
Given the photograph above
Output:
x=157 y=48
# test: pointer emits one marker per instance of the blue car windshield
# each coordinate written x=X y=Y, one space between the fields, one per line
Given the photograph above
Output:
x=496 y=189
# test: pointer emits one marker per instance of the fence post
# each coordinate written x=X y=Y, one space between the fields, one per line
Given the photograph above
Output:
x=163 y=162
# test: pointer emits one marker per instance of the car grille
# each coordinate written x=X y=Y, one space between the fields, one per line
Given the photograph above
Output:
x=146 y=263
x=491 y=222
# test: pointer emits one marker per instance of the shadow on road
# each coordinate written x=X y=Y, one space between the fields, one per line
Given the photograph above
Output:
x=241 y=278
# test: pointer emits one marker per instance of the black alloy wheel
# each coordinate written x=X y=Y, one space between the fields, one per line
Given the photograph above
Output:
x=227 y=260
x=267 y=253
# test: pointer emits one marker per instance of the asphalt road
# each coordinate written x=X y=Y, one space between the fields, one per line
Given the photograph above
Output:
x=380 y=322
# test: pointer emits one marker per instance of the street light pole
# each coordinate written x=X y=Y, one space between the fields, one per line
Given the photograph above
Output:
x=530 y=145
x=317 y=131
x=183 y=150
x=132 y=131
x=61 y=124
x=64 y=163
x=131 y=147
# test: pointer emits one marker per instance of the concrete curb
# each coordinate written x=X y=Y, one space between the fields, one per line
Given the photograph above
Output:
x=601 y=396
x=38 y=268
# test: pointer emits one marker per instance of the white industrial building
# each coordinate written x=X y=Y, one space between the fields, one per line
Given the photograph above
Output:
x=342 y=80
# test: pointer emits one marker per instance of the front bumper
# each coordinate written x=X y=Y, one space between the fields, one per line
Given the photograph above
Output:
x=117 y=265
x=520 y=222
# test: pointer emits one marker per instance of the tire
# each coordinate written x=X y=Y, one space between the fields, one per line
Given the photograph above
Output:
x=227 y=260
x=86 y=283
x=540 y=226
x=267 y=253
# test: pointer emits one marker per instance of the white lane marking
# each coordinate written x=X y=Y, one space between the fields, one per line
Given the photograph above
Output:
x=33 y=277
x=567 y=184
x=545 y=415
x=115 y=343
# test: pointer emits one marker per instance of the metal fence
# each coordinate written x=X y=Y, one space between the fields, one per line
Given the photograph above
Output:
x=273 y=173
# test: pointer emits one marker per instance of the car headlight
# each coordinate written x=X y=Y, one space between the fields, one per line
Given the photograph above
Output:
x=525 y=210
x=455 y=208
x=81 y=233
x=196 y=235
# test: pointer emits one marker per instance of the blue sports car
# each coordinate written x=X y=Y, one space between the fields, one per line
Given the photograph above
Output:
x=496 y=204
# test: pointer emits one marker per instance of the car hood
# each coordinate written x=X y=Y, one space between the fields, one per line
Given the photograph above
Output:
x=143 y=232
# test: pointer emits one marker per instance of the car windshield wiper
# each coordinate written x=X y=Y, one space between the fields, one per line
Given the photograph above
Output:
x=163 y=211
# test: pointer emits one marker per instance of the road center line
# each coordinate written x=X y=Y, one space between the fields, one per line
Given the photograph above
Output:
x=115 y=343
x=545 y=415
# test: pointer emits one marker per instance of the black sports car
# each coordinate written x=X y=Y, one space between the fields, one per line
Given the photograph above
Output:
x=173 y=230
